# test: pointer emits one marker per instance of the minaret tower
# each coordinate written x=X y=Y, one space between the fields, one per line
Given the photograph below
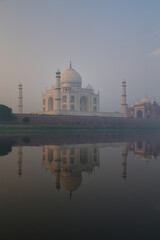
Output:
x=70 y=65
x=20 y=99
x=19 y=161
x=124 y=104
x=58 y=91
x=124 y=160
x=57 y=157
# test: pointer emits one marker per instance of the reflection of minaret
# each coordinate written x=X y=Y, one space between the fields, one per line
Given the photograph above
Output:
x=57 y=155
x=20 y=99
x=124 y=104
x=124 y=160
x=19 y=161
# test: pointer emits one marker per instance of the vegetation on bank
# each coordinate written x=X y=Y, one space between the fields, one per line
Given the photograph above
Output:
x=27 y=129
x=6 y=114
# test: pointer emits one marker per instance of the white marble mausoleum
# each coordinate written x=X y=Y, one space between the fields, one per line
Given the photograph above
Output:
x=68 y=95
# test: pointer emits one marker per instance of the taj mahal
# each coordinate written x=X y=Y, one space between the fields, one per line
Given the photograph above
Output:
x=68 y=97
x=68 y=94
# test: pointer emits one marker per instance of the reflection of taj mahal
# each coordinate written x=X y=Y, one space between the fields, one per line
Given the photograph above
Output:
x=69 y=162
x=68 y=95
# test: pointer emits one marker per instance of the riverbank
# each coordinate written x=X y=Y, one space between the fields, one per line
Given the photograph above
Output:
x=30 y=129
x=48 y=129
x=84 y=122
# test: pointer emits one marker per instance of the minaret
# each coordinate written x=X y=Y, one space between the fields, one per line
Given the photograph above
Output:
x=70 y=65
x=57 y=157
x=58 y=92
x=19 y=162
x=20 y=99
x=124 y=160
x=124 y=104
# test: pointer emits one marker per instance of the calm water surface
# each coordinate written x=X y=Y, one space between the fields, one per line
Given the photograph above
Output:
x=81 y=190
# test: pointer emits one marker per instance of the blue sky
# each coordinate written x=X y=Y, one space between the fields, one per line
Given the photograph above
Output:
x=107 y=41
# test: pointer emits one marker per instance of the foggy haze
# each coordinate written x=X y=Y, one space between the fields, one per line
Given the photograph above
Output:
x=107 y=41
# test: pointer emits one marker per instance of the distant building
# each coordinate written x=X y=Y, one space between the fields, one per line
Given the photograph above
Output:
x=144 y=109
x=69 y=96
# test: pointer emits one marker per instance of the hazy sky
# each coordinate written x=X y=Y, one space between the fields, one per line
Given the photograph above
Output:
x=107 y=41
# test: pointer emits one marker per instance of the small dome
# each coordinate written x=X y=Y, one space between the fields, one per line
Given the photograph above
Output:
x=153 y=101
x=136 y=103
x=71 y=76
x=88 y=87
x=145 y=100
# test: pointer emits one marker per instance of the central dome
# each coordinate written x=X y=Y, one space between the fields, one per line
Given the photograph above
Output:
x=71 y=76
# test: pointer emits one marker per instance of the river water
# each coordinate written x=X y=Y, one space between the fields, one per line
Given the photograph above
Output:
x=80 y=187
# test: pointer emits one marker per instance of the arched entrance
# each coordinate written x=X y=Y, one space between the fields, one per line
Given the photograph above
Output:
x=72 y=108
x=139 y=144
x=50 y=104
x=139 y=114
x=84 y=104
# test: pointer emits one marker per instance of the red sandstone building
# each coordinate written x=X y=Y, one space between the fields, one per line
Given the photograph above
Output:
x=144 y=109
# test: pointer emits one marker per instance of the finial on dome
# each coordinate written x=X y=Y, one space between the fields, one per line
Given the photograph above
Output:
x=70 y=66
x=57 y=72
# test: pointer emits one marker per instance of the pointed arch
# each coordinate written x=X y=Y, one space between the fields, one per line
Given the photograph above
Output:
x=50 y=104
x=84 y=104
x=139 y=114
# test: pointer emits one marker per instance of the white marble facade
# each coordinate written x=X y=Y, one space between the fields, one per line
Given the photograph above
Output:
x=69 y=96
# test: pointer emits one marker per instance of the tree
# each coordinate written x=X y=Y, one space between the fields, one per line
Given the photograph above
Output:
x=26 y=120
x=6 y=113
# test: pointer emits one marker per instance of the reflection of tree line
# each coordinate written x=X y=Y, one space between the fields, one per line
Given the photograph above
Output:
x=79 y=138
x=6 y=145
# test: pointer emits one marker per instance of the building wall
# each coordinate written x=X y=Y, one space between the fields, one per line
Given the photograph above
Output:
x=88 y=121
x=76 y=99
x=146 y=110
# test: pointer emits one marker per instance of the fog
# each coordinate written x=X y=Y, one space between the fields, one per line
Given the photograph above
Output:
x=107 y=41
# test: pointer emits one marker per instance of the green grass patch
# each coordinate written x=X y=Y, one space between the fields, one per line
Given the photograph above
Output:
x=29 y=129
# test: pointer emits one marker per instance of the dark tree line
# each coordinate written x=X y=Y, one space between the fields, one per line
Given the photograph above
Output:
x=6 y=113
x=6 y=146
